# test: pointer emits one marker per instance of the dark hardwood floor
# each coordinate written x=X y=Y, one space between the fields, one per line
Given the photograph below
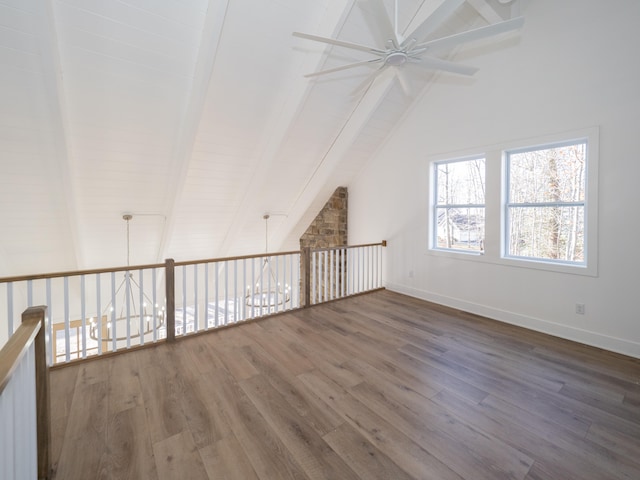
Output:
x=379 y=386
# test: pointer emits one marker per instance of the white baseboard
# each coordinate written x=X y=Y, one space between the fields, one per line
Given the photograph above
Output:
x=587 y=337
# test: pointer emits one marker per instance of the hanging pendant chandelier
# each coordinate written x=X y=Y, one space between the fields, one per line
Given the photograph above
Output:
x=136 y=314
x=268 y=293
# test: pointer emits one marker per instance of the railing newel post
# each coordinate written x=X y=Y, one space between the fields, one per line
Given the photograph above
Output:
x=43 y=403
x=170 y=293
x=305 y=262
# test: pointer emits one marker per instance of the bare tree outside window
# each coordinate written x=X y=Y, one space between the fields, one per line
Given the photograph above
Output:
x=545 y=209
x=459 y=212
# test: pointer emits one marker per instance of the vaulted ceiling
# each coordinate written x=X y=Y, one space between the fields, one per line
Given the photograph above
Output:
x=192 y=115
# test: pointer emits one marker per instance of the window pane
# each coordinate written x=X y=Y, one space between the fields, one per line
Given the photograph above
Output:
x=553 y=233
x=460 y=228
x=460 y=183
x=548 y=175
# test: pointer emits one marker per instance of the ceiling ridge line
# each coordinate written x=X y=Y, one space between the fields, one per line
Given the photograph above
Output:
x=56 y=98
x=213 y=26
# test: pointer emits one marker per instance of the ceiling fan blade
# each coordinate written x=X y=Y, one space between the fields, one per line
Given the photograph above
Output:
x=384 y=27
x=340 y=43
x=433 y=63
x=344 y=67
x=433 y=21
x=470 y=35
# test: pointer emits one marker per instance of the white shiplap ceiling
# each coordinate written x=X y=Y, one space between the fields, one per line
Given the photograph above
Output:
x=193 y=115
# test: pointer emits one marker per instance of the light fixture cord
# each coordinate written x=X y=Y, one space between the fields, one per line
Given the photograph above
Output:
x=266 y=233
x=128 y=242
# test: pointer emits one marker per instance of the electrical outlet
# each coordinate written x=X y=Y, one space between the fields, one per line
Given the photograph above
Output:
x=410 y=273
x=580 y=308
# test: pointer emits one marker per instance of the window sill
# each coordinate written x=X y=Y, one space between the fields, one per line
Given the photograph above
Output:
x=534 y=264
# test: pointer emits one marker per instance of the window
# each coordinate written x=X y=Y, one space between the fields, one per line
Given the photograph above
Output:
x=529 y=203
x=545 y=204
x=459 y=206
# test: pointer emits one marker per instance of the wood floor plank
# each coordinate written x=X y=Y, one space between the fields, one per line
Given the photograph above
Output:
x=632 y=398
x=325 y=353
x=58 y=432
x=537 y=437
x=235 y=362
x=162 y=389
x=177 y=458
x=281 y=378
x=297 y=361
x=203 y=418
x=123 y=391
x=403 y=451
x=128 y=447
x=62 y=389
x=226 y=460
x=83 y=453
x=266 y=452
x=403 y=330
x=610 y=402
x=429 y=375
x=399 y=379
x=469 y=451
x=615 y=441
x=198 y=356
x=362 y=456
x=493 y=363
x=377 y=386
x=592 y=456
x=312 y=453
x=543 y=403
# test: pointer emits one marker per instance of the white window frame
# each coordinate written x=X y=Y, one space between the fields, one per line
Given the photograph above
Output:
x=509 y=206
x=435 y=206
x=496 y=197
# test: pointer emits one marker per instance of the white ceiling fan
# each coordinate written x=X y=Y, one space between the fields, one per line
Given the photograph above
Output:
x=398 y=50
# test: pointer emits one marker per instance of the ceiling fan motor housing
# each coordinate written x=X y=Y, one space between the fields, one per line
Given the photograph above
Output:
x=396 y=58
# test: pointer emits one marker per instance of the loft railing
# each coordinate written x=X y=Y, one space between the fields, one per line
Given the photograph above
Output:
x=220 y=292
x=344 y=271
x=94 y=312
x=97 y=312
x=24 y=400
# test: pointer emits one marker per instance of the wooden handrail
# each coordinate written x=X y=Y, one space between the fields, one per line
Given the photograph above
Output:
x=14 y=350
x=75 y=273
x=347 y=247
x=231 y=259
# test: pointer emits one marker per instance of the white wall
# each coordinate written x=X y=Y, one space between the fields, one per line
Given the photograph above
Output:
x=575 y=65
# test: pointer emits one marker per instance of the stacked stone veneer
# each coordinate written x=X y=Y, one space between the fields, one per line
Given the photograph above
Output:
x=329 y=229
